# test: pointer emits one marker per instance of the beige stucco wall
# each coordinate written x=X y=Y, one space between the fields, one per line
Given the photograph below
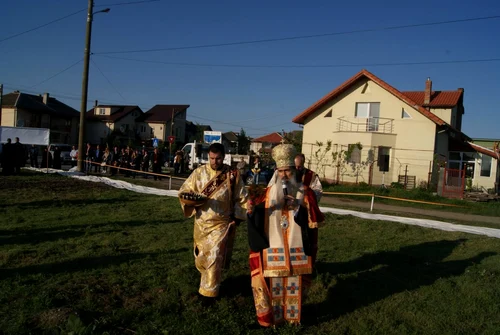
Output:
x=146 y=134
x=486 y=182
x=158 y=130
x=8 y=117
x=412 y=140
x=255 y=146
x=444 y=114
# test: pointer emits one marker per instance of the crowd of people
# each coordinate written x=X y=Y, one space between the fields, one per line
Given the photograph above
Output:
x=283 y=221
x=13 y=157
x=122 y=160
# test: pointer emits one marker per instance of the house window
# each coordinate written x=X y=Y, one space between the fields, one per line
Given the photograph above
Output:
x=355 y=156
x=405 y=114
x=462 y=161
x=369 y=111
x=485 y=166
x=383 y=158
x=102 y=111
x=143 y=129
x=151 y=131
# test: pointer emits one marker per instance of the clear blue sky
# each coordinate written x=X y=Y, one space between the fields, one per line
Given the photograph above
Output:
x=259 y=100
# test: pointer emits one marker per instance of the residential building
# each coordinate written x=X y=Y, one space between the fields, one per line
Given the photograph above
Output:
x=41 y=111
x=102 y=121
x=486 y=159
x=162 y=121
x=194 y=132
x=264 y=144
x=388 y=135
x=230 y=142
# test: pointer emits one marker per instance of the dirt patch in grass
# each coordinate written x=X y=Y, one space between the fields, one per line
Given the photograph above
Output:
x=52 y=318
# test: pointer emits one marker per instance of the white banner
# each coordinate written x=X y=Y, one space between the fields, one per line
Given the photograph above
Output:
x=37 y=136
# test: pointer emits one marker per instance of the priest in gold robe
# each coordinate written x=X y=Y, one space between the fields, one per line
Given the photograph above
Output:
x=278 y=234
x=216 y=217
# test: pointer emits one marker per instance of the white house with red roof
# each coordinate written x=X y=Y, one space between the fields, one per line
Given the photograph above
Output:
x=264 y=144
x=102 y=120
x=402 y=134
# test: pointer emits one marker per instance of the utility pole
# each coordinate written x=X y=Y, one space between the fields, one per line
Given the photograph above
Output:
x=1 y=101
x=85 y=85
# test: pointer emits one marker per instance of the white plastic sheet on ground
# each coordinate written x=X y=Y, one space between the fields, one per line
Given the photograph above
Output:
x=370 y=216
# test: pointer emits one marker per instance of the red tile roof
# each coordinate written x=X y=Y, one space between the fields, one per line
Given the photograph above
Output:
x=300 y=119
x=269 y=138
x=438 y=98
x=120 y=113
x=162 y=113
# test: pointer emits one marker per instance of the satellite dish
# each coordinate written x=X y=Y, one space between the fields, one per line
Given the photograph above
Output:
x=122 y=128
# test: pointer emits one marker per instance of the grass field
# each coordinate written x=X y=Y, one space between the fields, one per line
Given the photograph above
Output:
x=83 y=258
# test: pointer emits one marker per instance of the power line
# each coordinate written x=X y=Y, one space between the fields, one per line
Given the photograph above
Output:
x=42 y=25
x=71 y=14
x=289 y=38
x=126 y=3
x=307 y=66
x=109 y=81
x=222 y=122
x=58 y=73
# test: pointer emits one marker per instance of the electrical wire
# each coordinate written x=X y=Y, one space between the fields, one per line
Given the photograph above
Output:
x=126 y=3
x=71 y=14
x=484 y=60
x=289 y=38
x=58 y=73
x=107 y=79
x=42 y=25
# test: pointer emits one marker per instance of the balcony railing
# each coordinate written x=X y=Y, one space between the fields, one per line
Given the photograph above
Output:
x=371 y=124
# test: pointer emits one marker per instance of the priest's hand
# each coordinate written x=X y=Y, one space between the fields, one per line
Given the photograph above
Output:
x=291 y=202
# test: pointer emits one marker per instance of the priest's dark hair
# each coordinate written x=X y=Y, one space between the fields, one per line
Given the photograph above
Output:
x=217 y=148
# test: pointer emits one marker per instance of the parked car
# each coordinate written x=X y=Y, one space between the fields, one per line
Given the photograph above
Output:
x=65 y=151
x=265 y=175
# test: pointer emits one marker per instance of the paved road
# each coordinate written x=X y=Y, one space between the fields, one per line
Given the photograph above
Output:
x=343 y=202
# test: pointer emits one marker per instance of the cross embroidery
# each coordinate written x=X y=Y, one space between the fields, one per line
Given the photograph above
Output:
x=292 y=311
x=277 y=289
x=292 y=288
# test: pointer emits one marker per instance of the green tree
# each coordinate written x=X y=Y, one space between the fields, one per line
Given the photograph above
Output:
x=295 y=138
x=243 y=143
x=320 y=157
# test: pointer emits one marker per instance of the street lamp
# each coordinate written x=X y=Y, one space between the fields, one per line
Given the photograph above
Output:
x=85 y=82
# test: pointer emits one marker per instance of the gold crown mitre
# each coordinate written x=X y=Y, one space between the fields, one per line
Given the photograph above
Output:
x=284 y=155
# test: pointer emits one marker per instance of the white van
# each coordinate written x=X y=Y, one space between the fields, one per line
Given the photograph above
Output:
x=196 y=154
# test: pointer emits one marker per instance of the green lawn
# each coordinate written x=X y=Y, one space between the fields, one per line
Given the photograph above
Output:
x=85 y=258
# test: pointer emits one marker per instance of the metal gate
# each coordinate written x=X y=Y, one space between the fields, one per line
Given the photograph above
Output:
x=453 y=183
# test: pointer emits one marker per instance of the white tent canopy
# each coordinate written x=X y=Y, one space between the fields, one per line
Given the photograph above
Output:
x=37 y=136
